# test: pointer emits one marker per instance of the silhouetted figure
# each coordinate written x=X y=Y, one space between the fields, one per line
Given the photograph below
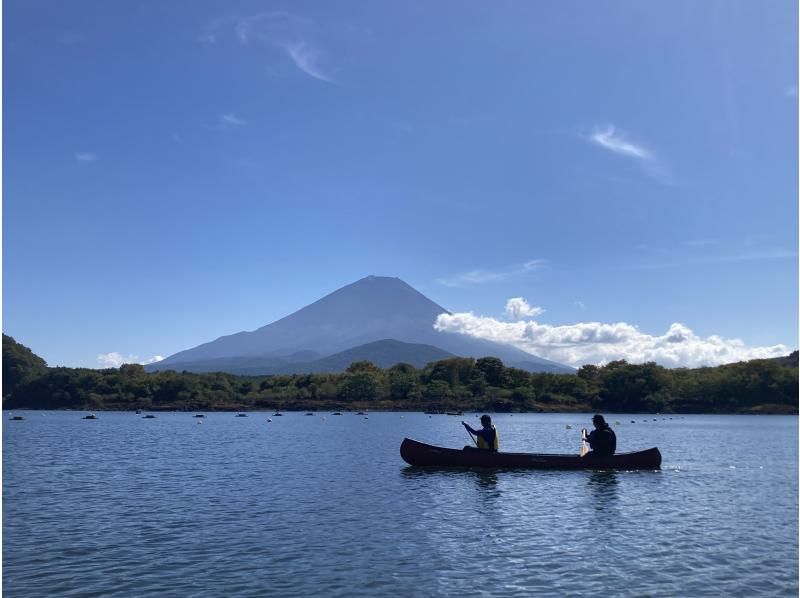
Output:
x=602 y=439
x=487 y=436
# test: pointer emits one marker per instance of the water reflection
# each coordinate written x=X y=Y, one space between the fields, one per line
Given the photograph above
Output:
x=604 y=490
x=486 y=482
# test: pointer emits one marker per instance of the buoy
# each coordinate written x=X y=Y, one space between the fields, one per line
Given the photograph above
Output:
x=569 y=427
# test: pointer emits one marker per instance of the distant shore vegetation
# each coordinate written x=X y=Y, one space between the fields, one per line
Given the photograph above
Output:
x=450 y=385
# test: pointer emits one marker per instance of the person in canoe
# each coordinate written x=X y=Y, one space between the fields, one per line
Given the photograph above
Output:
x=487 y=435
x=602 y=439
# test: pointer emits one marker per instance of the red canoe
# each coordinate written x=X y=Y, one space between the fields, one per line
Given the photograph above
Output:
x=419 y=453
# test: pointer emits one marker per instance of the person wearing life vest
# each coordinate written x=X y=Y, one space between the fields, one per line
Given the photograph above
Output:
x=602 y=439
x=487 y=435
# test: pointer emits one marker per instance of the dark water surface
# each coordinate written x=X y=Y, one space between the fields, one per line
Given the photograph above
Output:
x=126 y=506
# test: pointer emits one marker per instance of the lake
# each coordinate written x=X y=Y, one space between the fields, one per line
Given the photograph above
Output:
x=323 y=504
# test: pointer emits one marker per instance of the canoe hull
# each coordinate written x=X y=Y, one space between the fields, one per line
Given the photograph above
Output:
x=427 y=455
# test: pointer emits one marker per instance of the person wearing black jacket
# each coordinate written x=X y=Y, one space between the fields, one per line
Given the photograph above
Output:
x=602 y=439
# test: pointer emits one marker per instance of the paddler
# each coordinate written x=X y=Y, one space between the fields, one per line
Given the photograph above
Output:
x=602 y=439
x=487 y=435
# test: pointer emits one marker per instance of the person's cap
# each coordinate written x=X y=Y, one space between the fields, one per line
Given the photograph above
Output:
x=485 y=418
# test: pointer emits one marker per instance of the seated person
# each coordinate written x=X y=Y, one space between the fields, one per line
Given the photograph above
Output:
x=602 y=439
x=487 y=436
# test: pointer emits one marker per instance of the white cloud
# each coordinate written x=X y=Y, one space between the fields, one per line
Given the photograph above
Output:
x=115 y=359
x=289 y=34
x=579 y=304
x=231 y=120
x=791 y=92
x=517 y=308
x=609 y=138
x=307 y=58
x=598 y=343
x=86 y=157
x=616 y=142
x=474 y=277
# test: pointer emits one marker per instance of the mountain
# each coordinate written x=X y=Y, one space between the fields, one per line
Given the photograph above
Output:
x=384 y=354
x=372 y=309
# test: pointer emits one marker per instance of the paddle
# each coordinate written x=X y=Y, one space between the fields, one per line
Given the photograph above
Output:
x=469 y=434
x=584 y=448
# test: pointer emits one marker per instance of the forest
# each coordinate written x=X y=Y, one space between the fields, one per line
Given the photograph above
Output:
x=456 y=384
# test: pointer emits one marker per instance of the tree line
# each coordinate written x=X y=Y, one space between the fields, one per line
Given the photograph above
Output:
x=455 y=384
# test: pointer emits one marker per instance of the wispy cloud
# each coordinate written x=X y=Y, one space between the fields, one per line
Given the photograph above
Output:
x=700 y=243
x=86 y=157
x=617 y=142
x=231 y=120
x=289 y=35
x=116 y=359
x=703 y=251
x=791 y=92
x=599 y=343
x=475 y=277
x=611 y=140
x=306 y=58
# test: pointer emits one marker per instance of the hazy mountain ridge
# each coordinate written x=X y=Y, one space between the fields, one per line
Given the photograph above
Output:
x=384 y=354
x=371 y=309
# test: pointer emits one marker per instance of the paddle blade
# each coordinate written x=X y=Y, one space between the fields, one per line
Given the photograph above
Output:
x=584 y=448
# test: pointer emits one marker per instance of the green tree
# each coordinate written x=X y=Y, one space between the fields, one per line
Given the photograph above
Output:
x=360 y=385
x=402 y=381
x=20 y=365
x=438 y=390
x=132 y=369
x=492 y=370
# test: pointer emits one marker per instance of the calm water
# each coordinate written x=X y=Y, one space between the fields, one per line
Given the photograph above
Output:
x=324 y=505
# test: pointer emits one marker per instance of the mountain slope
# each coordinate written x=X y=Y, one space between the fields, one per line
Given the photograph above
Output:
x=383 y=353
x=368 y=310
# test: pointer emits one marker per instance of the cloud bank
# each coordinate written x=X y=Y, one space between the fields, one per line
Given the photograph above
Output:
x=115 y=359
x=598 y=343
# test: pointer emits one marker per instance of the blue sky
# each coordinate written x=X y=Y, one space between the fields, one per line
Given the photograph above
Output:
x=176 y=171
